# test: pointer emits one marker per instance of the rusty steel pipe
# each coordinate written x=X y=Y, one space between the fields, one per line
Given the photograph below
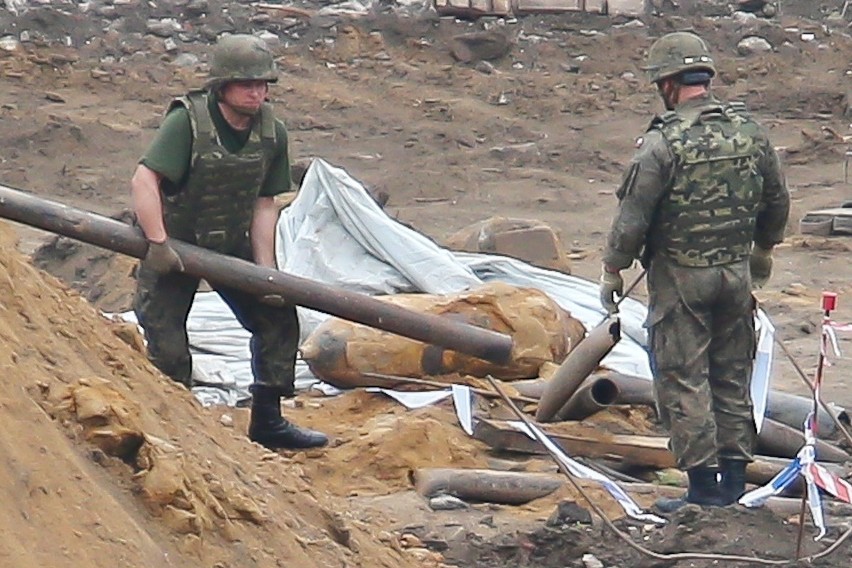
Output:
x=593 y=394
x=229 y=271
x=578 y=365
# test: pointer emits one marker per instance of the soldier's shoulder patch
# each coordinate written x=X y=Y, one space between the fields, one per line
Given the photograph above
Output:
x=639 y=141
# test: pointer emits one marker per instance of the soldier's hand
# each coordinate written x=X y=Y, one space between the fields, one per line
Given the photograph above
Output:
x=162 y=258
x=760 y=265
x=612 y=284
x=274 y=300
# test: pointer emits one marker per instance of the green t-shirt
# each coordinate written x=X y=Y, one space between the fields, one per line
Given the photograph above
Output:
x=170 y=152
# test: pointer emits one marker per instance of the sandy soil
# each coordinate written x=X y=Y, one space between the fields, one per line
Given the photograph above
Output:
x=105 y=460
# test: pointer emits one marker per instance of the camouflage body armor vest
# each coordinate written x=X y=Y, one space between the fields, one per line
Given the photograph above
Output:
x=214 y=206
x=707 y=217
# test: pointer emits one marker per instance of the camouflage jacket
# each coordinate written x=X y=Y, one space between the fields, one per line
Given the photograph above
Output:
x=703 y=186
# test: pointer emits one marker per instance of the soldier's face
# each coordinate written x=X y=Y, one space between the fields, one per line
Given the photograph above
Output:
x=244 y=97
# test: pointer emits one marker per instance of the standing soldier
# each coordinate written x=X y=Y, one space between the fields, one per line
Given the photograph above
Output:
x=209 y=178
x=701 y=205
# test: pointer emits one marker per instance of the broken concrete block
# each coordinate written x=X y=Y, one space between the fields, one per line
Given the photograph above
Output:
x=753 y=44
x=529 y=240
x=827 y=222
x=480 y=46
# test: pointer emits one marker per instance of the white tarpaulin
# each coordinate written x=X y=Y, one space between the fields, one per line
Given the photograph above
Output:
x=334 y=232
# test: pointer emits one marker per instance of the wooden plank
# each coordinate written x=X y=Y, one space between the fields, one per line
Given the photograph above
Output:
x=651 y=451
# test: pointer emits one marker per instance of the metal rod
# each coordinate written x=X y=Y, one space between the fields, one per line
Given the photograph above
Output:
x=817 y=385
x=228 y=271
x=630 y=287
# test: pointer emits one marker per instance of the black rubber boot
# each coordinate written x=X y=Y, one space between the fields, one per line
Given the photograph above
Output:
x=733 y=479
x=269 y=429
x=703 y=490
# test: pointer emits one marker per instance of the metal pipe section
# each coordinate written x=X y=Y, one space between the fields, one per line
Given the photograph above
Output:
x=593 y=394
x=578 y=365
x=228 y=271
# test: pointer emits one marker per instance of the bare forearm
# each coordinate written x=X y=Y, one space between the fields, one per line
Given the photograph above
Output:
x=147 y=203
x=263 y=226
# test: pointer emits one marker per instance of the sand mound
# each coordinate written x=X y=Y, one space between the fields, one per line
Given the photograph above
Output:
x=107 y=463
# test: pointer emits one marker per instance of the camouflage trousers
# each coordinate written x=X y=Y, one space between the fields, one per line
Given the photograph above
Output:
x=702 y=343
x=162 y=305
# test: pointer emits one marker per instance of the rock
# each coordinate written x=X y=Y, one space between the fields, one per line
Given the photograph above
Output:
x=446 y=503
x=270 y=39
x=185 y=60
x=408 y=540
x=569 y=512
x=751 y=5
x=514 y=151
x=167 y=27
x=9 y=43
x=591 y=561
x=480 y=46
x=744 y=18
x=526 y=239
x=484 y=67
x=435 y=543
x=227 y=421
x=753 y=44
x=196 y=8
x=632 y=24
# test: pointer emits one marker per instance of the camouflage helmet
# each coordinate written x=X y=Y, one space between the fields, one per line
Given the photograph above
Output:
x=241 y=57
x=677 y=52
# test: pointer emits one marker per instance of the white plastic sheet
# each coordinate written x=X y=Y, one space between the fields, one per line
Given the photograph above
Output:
x=334 y=232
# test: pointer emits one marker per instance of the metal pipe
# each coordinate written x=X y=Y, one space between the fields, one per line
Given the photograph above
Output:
x=228 y=271
x=485 y=485
x=792 y=410
x=593 y=394
x=578 y=365
x=782 y=441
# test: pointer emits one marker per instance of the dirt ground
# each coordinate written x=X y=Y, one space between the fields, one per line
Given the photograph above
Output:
x=107 y=463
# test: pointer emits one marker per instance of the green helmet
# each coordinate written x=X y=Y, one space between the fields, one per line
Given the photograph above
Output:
x=241 y=57
x=677 y=52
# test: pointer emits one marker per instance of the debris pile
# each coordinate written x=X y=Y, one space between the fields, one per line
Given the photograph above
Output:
x=117 y=464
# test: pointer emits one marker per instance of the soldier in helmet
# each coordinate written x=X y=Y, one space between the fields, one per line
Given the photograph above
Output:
x=702 y=204
x=209 y=178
